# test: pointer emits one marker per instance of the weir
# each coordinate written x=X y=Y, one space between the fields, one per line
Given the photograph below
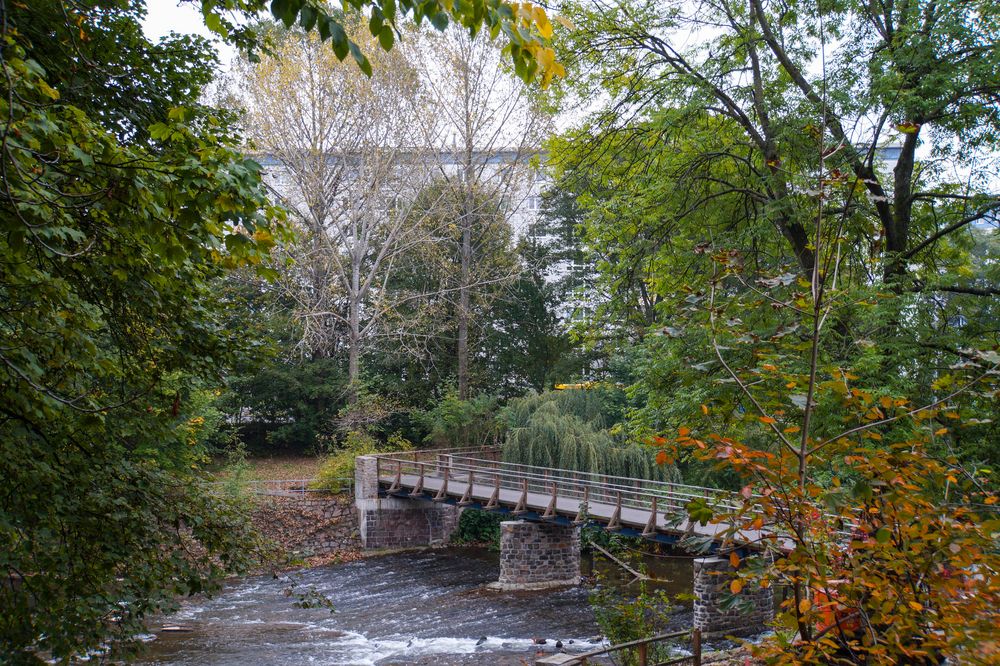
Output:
x=415 y=499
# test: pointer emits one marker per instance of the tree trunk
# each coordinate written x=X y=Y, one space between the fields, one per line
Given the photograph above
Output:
x=463 y=305
x=354 y=342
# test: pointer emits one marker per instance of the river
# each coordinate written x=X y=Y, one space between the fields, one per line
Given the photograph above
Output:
x=420 y=608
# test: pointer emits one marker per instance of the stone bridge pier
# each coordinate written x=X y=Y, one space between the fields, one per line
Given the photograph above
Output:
x=537 y=556
x=716 y=613
x=389 y=522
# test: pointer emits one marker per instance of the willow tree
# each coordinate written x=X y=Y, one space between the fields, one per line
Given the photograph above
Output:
x=570 y=430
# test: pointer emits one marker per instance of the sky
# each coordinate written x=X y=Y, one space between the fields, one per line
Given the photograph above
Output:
x=166 y=16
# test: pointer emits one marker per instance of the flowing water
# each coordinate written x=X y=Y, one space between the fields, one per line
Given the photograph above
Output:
x=429 y=607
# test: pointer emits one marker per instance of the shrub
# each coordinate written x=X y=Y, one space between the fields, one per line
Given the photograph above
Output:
x=337 y=472
x=458 y=423
x=478 y=527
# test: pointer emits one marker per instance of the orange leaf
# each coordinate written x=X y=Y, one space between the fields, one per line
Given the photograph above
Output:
x=683 y=432
x=736 y=586
x=767 y=419
x=704 y=410
x=768 y=366
x=792 y=429
x=662 y=458
x=734 y=560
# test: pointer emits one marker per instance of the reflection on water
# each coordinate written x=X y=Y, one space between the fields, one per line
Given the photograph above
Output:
x=427 y=607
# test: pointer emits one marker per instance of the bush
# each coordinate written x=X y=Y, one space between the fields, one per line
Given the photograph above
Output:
x=459 y=423
x=623 y=618
x=478 y=527
x=337 y=472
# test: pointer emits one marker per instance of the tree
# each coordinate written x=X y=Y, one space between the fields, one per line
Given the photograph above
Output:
x=775 y=273
x=493 y=128
x=123 y=199
x=350 y=166
x=928 y=75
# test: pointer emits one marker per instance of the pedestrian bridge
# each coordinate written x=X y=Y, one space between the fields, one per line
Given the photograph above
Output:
x=478 y=479
x=415 y=498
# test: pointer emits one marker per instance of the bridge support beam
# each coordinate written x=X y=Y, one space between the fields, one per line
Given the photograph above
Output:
x=712 y=576
x=536 y=556
x=388 y=522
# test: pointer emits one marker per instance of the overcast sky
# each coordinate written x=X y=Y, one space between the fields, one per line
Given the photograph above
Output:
x=166 y=16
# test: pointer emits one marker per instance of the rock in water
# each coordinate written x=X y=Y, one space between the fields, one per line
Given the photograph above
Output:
x=481 y=640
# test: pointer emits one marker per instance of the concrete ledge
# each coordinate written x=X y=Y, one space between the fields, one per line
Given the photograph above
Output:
x=530 y=587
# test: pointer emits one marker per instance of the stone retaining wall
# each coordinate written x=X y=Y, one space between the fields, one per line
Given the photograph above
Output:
x=308 y=525
x=712 y=576
x=538 y=555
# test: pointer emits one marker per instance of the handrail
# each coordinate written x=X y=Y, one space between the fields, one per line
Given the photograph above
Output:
x=590 y=487
x=642 y=647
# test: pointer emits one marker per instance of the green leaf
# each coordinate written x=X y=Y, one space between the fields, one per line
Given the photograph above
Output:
x=307 y=17
x=386 y=38
x=360 y=58
x=439 y=20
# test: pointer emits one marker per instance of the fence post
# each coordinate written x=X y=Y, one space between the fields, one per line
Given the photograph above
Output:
x=696 y=646
x=643 y=654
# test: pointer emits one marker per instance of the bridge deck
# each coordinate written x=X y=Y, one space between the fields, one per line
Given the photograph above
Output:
x=674 y=523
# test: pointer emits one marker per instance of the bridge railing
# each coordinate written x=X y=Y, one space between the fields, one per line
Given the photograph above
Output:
x=483 y=467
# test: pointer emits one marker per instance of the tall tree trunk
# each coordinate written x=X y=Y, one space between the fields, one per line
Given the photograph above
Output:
x=354 y=343
x=464 y=286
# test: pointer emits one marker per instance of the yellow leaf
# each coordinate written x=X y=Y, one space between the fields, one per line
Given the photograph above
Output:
x=940 y=431
x=885 y=401
x=566 y=23
x=915 y=606
x=704 y=409
x=735 y=586
x=804 y=606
